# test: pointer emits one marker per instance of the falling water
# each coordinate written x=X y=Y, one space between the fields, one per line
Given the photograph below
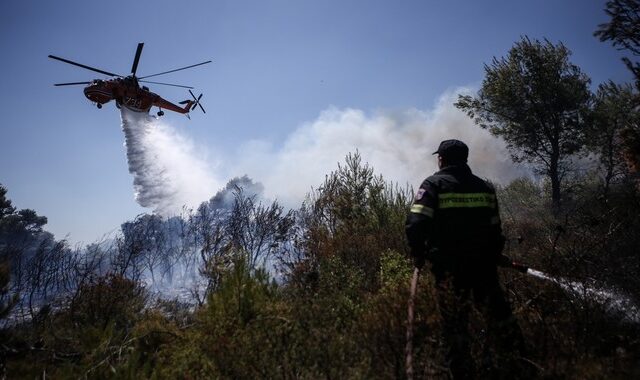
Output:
x=167 y=171
x=613 y=301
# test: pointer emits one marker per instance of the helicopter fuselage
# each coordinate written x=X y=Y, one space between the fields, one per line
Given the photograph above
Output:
x=126 y=92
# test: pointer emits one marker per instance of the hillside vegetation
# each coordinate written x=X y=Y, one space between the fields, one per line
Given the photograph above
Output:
x=318 y=292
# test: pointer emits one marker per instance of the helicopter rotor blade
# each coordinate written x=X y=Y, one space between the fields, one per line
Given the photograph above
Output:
x=193 y=95
x=84 y=66
x=70 y=84
x=172 y=71
x=137 y=58
x=164 y=84
x=200 y=104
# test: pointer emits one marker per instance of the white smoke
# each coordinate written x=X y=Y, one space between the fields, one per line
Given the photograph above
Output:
x=167 y=171
x=398 y=145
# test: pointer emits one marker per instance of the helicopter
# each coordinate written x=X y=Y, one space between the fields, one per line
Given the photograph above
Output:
x=127 y=92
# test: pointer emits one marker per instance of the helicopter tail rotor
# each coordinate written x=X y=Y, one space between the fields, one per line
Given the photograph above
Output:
x=197 y=102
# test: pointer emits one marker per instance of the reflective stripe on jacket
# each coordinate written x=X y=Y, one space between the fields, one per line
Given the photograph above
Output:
x=455 y=213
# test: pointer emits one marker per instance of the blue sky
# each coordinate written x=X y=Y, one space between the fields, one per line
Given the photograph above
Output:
x=277 y=66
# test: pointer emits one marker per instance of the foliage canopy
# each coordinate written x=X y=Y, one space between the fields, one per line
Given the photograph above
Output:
x=536 y=100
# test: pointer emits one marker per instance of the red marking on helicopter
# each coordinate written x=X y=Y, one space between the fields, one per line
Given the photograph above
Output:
x=127 y=92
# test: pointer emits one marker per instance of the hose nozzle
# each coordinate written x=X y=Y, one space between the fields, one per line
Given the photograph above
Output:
x=519 y=267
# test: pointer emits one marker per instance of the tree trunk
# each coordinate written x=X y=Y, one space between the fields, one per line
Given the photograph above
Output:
x=554 y=176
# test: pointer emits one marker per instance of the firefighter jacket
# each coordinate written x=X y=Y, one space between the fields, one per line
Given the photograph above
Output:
x=455 y=218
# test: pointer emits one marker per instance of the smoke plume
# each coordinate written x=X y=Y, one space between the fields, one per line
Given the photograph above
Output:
x=398 y=145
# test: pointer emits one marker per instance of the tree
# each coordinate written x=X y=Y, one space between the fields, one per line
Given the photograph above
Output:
x=623 y=30
x=6 y=299
x=258 y=230
x=614 y=110
x=21 y=232
x=350 y=220
x=17 y=224
x=536 y=100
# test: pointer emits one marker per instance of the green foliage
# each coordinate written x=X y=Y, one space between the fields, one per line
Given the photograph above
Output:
x=243 y=224
x=355 y=216
x=309 y=328
x=614 y=111
x=536 y=100
x=21 y=238
x=340 y=308
x=242 y=315
x=92 y=336
x=14 y=223
x=111 y=299
x=526 y=222
x=241 y=297
x=382 y=328
x=395 y=271
x=631 y=150
x=590 y=243
x=6 y=300
x=622 y=30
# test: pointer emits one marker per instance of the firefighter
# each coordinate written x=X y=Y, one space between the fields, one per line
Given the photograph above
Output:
x=454 y=224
